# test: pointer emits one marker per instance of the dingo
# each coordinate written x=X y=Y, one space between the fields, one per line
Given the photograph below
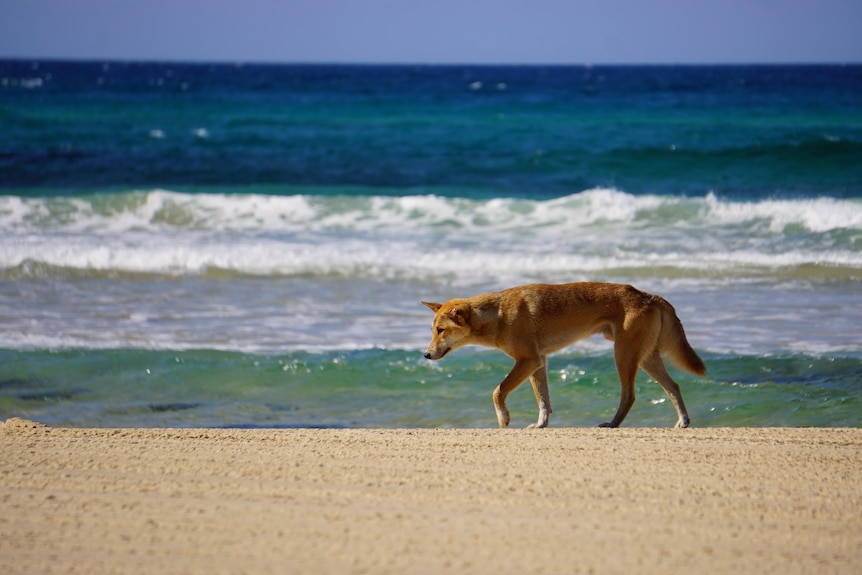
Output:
x=529 y=322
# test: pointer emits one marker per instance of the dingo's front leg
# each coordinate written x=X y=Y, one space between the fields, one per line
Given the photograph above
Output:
x=502 y=414
x=522 y=369
x=539 y=381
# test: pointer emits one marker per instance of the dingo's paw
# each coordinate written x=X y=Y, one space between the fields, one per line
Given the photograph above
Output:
x=503 y=417
x=541 y=423
x=536 y=426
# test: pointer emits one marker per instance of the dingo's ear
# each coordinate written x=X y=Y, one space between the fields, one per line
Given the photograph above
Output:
x=432 y=306
x=457 y=315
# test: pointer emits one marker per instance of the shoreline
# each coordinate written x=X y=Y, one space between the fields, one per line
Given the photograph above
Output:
x=559 y=500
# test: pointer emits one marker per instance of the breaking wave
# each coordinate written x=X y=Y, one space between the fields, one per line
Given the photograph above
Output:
x=599 y=231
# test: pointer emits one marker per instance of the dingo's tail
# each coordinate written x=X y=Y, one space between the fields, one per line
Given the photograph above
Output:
x=672 y=341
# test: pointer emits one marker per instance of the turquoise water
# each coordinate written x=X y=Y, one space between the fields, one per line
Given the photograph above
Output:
x=380 y=388
x=242 y=245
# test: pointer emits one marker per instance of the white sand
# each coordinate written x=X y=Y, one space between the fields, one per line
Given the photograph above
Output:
x=634 y=501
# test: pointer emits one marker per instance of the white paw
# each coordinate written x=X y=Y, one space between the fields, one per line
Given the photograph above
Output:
x=503 y=417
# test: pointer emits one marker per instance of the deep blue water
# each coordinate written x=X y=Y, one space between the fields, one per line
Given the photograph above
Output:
x=535 y=132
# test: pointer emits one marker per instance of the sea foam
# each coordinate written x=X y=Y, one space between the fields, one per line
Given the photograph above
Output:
x=596 y=231
x=162 y=209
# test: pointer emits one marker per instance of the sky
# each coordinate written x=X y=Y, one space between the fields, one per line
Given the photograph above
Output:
x=436 y=31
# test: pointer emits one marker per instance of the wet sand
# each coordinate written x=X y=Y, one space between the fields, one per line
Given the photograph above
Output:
x=429 y=501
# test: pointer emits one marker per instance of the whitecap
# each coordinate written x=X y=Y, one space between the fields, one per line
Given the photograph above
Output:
x=816 y=215
x=31 y=83
x=597 y=232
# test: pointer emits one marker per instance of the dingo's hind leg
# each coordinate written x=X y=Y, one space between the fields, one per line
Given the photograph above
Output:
x=654 y=366
x=627 y=361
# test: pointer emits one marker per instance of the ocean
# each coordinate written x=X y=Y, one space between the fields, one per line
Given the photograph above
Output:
x=239 y=245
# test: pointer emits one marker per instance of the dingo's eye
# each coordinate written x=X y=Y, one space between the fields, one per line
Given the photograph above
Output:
x=440 y=330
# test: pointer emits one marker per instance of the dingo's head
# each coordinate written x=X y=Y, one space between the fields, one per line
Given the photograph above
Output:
x=450 y=329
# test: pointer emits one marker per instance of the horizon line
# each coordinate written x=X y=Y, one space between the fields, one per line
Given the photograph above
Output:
x=442 y=63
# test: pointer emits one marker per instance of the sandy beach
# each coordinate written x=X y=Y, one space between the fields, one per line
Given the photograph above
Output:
x=429 y=501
